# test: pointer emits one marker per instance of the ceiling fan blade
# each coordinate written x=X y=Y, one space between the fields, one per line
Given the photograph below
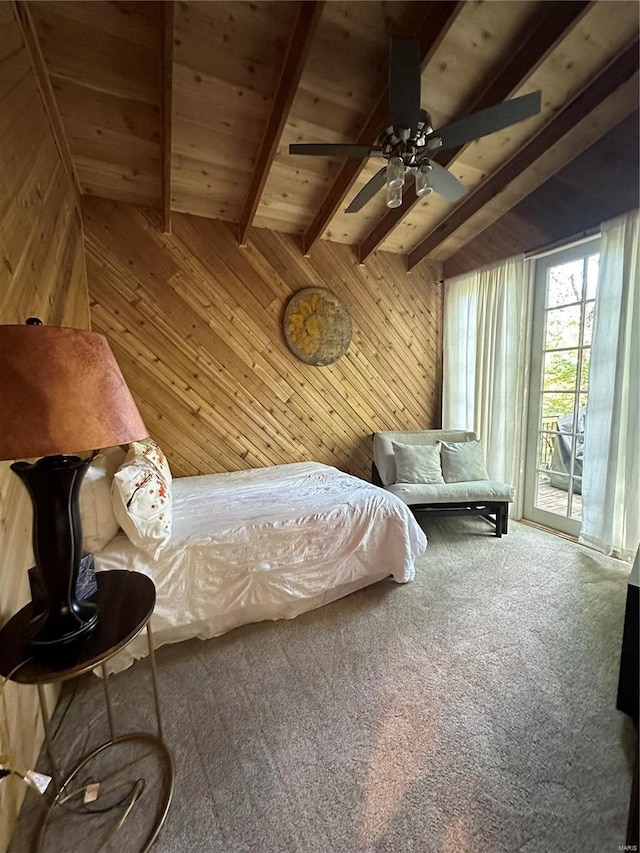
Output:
x=330 y=150
x=446 y=184
x=368 y=191
x=404 y=84
x=488 y=121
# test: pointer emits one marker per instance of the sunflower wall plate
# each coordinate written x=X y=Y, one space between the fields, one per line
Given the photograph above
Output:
x=317 y=326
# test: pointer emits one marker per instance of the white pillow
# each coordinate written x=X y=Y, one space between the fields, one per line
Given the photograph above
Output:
x=417 y=463
x=142 y=502
x=99 y=524
x=463 y=461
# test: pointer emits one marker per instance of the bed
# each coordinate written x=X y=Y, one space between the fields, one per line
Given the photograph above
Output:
x=267 y=543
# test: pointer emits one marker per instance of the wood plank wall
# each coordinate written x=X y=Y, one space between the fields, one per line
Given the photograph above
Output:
x=196 y=325
x=42 y=273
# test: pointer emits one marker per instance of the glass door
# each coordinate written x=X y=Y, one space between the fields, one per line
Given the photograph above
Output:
x=565 y=290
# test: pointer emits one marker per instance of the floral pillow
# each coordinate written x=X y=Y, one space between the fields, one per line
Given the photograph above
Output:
x=148 y=451
x=141 y=495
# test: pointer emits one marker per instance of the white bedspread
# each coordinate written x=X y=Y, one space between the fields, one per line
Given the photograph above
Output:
x=267 y=543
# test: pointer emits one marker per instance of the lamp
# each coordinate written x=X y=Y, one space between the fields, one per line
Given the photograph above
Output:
x=62 y=393
x=395 y=172
x=394 y=196
x=423 y=179
x=395 y=181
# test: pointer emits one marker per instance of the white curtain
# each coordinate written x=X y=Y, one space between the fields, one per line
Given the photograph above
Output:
x=486 y=363
x=611 y=482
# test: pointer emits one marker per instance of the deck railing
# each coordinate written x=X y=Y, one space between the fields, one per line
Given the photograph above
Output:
x=548 y=422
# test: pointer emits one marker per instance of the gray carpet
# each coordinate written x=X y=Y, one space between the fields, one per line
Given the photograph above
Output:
x=472 y=710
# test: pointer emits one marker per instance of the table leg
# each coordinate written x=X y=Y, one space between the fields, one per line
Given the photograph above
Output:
x=107 y=699
x=154 y=679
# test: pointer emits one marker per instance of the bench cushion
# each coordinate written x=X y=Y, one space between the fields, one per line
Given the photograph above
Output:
x=476 y=491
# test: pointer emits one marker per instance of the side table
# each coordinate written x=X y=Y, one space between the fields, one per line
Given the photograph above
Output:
x=126 y=600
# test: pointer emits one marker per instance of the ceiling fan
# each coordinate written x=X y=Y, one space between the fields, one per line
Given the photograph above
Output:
x=408 y=142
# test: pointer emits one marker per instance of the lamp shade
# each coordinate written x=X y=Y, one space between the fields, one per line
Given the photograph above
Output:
x=61 y=392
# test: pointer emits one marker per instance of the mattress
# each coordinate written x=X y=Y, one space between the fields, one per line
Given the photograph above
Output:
x=267 y=543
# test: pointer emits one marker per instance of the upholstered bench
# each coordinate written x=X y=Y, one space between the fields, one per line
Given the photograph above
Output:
x=393 y=468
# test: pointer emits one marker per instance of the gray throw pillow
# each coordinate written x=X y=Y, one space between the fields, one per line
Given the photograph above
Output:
x=463 y=461
x=417 y=463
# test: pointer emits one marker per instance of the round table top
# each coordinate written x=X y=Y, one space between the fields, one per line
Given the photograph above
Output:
x=125 y=603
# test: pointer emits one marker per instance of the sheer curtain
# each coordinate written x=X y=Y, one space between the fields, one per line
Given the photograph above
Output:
x=611 y=482
x=486 y=363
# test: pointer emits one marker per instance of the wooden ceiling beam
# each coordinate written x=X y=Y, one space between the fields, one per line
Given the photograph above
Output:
x=308 y=16
x=615 y=75
x=166 y=112
x=438 y=18
x=583 y=135
x=554 y=22
x=23 y=16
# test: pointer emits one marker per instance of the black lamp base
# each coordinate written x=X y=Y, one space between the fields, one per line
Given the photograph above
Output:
x=53 y=631
x=54 y=486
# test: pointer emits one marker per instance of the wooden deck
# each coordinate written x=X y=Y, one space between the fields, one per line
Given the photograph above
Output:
x=556 y=500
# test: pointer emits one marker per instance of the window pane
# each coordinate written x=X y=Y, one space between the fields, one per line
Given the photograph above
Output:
x=563 y=328
x=560 y=369
x=576 y=498
x=550 y=423
x=593 y=264
x=588 y=323
x=557 y=406
x=584 y=369
x=550 y=497
x=546 y=445
x=565 y=284
x=570 y=449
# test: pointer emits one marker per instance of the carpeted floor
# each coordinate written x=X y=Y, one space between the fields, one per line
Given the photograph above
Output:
x=472 y=710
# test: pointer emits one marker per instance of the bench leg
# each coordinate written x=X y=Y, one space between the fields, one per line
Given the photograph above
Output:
x=502 y=520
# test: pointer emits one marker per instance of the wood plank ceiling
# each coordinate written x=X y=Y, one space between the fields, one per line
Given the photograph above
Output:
x=200 y=100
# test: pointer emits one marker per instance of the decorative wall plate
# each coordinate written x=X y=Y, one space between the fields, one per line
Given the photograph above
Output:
x=317 y=326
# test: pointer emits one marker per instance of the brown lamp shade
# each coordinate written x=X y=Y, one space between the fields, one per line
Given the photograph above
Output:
x=61 y=392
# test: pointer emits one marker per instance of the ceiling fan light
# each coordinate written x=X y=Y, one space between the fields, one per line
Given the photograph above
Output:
x=394 y=196
x=423 y=180
x=395 y=172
